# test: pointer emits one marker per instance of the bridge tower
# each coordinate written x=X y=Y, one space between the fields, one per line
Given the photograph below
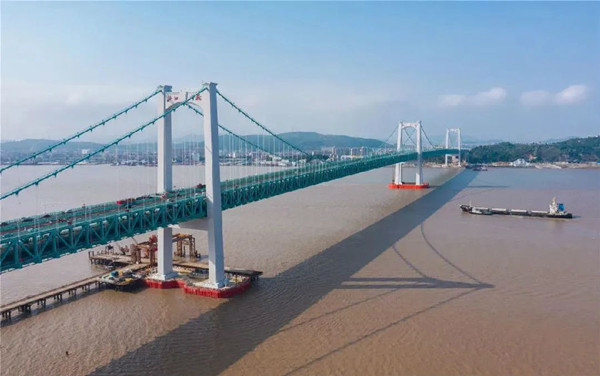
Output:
x=216 y=262
x=213 y=223
x=455 y=131
x=165 y=183
x=402 y=132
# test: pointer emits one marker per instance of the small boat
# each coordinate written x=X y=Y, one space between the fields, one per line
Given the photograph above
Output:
x=556 y=210
x=120 y=280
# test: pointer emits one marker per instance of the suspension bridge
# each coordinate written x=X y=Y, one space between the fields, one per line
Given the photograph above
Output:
x=34 y=239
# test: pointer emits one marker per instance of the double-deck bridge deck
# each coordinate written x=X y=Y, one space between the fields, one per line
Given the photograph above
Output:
x=38 y=238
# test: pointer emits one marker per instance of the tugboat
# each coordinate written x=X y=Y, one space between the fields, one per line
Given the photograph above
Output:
x=556 y=210
x=481 y=211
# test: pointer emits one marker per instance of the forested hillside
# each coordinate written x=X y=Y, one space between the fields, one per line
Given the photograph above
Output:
x=573 y=150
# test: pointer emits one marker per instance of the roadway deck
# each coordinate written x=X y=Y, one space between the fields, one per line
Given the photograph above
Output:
x=25 y=241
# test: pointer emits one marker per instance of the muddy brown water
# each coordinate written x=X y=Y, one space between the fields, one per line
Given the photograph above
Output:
x=358 y=279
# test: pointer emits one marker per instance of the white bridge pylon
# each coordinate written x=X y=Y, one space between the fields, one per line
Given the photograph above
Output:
x=213 y=222
x=450 y=131
x=403 y=132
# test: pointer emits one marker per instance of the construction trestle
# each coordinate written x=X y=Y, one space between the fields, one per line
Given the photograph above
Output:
x=25 y=305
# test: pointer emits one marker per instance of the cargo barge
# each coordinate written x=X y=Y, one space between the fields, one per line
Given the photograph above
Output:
x=556 y=210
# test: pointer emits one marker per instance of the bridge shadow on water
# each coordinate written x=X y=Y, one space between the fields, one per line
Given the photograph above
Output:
x=215 y=340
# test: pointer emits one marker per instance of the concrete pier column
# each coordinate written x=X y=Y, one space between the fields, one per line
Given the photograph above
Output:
x=419 y=172
x=459 y=146
x=447 y=145
x=398 y=170
x=165 y=184
x=165 y=144
x=165 y=253
x=216 y=263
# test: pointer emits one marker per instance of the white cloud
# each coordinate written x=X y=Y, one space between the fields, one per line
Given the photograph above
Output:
x=451 y=100
x=484 y=98
x=536 y=98
x=46 y=111
x=70 y=95
x=571 y=95
x=317 y=95
x=56 y=111
x=313 y=106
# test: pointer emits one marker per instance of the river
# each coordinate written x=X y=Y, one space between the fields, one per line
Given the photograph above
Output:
x=358 y=280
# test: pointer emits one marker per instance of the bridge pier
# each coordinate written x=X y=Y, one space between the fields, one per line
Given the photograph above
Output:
x=397 y=182
x=165 y=254
x=165 y=184
x=398 y=170
x=419 y=172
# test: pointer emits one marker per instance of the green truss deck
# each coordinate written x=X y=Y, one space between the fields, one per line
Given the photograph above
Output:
x=37 y=244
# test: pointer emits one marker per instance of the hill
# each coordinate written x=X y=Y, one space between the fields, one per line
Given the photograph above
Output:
x=308 y=141
x=316 y=141
x=573 y=150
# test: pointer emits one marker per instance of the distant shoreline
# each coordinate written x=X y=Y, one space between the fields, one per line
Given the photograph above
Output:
x=549 y=166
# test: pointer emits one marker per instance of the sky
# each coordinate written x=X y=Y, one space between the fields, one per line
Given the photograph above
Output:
x=511 y=71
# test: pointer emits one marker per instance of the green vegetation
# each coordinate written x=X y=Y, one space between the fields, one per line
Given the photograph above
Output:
x=316 y=141
x=573 y=150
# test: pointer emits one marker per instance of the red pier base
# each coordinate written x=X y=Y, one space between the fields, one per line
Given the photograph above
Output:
x=408 y=186
x=170 y=284
x=225 y=292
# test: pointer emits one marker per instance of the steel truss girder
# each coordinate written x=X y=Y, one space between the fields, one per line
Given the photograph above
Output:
x=29 y=247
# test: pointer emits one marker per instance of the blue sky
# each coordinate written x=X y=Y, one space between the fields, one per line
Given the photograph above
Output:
x=515 y=71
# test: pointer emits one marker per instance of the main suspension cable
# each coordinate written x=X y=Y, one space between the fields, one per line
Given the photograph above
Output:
x=259 y=124
x=384 y=144
x=17 y=190
x=80 y=133
x=229 y=131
